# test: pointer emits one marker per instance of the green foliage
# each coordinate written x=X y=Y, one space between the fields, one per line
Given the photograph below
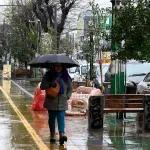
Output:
x=23 y=39
x=131 y=30
x=20 y=44
x=97 y=30
x=96 y=35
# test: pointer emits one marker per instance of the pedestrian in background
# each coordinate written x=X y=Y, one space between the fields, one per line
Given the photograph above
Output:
x=57 y=106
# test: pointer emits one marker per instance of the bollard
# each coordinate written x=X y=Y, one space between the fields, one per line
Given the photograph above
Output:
x=147 y=113
x=95 y=112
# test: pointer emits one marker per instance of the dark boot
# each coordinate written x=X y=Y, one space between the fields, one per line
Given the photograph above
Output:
x=62 y=138
x=52 y=138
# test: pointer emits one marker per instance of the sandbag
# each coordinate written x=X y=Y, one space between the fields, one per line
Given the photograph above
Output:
x=76 y=96
x=79 y=100
x=84 y=90
x=89 y=89
x=74 y=114
x=96 y=92
x=80 y=89
x=79 y=103
x=38 y=100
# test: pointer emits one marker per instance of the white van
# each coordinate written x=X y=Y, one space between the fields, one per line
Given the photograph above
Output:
x=82 y=70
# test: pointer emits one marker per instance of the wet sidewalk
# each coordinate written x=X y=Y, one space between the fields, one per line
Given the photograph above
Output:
x=124 y=134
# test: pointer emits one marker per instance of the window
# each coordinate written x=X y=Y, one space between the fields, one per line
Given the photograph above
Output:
x=84 y=70
x=72 y=70
x=147 y=78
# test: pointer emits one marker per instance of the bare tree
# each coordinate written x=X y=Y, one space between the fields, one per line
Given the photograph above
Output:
x=46 y=13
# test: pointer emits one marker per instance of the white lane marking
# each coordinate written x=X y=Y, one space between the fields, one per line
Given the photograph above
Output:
x=31 y=95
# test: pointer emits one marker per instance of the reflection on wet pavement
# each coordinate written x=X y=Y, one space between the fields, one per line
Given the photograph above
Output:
x=12 y=132
x=116 y=135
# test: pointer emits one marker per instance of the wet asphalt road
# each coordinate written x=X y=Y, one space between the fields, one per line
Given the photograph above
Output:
x=16 y=133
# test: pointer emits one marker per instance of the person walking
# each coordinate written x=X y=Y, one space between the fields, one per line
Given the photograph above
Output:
x=57 y=106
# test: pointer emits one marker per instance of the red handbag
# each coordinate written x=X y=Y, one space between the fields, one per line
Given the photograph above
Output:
x=53 y=91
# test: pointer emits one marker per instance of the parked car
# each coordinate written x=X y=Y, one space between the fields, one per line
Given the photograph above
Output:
x=83 y=71
x=144 y=85
x=135 y=73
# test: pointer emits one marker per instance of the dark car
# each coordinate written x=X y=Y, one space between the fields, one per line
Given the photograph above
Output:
x=135 y=72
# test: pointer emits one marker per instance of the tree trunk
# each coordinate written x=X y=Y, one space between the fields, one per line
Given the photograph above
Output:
x=1 y=64
x=5 y=58
x=58 y=42
x=25 y=64
x=48 y=17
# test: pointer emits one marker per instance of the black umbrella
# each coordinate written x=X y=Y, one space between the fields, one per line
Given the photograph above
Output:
x=45 y=61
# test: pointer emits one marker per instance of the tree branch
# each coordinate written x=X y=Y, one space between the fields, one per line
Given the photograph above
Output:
x=65 y=11
x=41 y=15
x=50 y=14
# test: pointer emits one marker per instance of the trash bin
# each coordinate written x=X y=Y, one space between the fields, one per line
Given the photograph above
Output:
x=107 y=86
x=131 y=89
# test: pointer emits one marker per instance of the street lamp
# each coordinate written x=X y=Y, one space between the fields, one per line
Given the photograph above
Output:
x=115 y=2
x=114 y=83
x=38 y=41
x=38 y=34
x=117 y=71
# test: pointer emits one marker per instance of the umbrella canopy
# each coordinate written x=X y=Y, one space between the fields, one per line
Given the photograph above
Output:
x=45 y=61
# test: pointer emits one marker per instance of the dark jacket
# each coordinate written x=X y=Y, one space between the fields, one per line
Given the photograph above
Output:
x=60 y=102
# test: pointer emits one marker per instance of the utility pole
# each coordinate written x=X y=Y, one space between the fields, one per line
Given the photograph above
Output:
x=38 y=27
x=91 y=56
x=4 y=41
x=38 y=35
x=73 y=42
x=55 y=27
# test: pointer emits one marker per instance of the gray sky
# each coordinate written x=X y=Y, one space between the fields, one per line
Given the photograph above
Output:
x=82 y=7
x=84 y=4
x=2 y=2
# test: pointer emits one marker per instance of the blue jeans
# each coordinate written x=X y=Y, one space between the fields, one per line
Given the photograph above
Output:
x=60 y=114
